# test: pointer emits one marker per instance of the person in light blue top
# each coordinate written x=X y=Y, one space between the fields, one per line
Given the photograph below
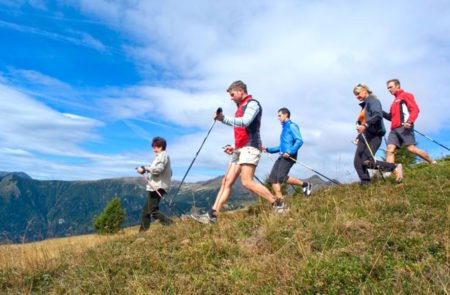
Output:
x=290 y=142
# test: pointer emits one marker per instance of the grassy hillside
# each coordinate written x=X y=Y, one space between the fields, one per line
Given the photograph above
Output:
x=34 y=210
x=382 y=239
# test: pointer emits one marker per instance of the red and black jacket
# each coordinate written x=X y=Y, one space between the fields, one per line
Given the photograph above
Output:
x=403 y=109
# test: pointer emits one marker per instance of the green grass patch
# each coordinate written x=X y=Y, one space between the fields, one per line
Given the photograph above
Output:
x=381 y=239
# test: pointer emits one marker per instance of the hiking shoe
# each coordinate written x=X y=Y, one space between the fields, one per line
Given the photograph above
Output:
x=386 y=174
x=212 y=218
x=307 y=189
x=399 y=173
x=206 y=218
x=279 y=207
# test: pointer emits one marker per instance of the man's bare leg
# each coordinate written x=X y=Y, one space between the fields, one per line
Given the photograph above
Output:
x=228 y=180
x=421 y=153
x=277 y=190
x=294 y=181
x=390 y=153
x=247 y=174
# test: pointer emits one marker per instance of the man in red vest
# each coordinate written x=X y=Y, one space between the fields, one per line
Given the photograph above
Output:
x=246 y=151
x=403 y=113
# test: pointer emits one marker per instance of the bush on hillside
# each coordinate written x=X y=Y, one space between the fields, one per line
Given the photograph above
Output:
x=403 y=156
x=110 y=220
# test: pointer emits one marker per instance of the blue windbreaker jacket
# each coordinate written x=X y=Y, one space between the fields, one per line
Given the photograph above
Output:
x=290 y=140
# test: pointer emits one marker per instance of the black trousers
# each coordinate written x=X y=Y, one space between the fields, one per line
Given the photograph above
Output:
x=364 y=160
x=150 y=211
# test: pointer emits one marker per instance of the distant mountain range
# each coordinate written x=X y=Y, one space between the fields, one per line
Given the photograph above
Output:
x=20 y=174
x=33 y=210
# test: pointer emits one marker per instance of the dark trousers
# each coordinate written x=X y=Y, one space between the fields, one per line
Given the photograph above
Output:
x=364 y=160
x=150 y=211
x=280 y=170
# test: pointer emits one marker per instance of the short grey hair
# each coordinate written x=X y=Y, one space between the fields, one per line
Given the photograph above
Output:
x=396 y=81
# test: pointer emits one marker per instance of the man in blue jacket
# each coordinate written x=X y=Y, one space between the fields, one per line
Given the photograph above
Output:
x=290 y=143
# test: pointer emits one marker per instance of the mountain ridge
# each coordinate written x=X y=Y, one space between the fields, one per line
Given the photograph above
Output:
x=35 y=210
x=18 y=173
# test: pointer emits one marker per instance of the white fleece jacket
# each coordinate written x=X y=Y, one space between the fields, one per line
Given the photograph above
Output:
x=159 y=172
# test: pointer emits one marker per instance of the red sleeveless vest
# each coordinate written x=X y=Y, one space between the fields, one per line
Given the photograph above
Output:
x=247 y=136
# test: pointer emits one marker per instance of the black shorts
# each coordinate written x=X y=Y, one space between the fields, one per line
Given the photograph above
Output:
x=280 y=170
x=402 y=136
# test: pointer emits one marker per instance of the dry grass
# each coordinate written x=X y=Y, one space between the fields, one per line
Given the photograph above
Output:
x=382 y=239
x=30 y=255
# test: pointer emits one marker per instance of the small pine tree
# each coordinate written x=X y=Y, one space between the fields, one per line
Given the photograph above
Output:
x=403 y=156
x=110 y=220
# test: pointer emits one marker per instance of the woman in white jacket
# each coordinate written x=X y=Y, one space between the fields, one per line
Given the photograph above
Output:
x=159 y=175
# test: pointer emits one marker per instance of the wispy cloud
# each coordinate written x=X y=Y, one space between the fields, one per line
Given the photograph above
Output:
x=32 y=126
x=14 y=152
x=290 y=49
x=77 y=38
x=39 y=4
x=39 y=79
x=104 y=166
x=167 y=104
x=304 y=55
x=46 y=88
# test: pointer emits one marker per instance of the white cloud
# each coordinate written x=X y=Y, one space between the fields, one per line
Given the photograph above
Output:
x=306 y=56
x=62 y=168
x=39 y=79
x=46 y=88
x=166 y=104
x=303 y=55
x=14 y=152
x=77 y=38
x=32 y=126
x=46 y=144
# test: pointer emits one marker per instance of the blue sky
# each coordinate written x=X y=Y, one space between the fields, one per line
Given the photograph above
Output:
x=85 y=85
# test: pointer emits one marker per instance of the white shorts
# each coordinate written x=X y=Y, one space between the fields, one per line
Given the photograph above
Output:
x=246 y=155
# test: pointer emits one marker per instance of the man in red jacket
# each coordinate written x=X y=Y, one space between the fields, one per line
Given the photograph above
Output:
x=245 y=154
x=403 y=114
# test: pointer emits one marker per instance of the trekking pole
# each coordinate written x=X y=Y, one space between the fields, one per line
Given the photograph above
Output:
x=384 y=150
x=259 y=180
x=219 y=110
x=309 y=168
x=369 y=148
x=432 y=140
x=169 y=204
x=371 y=153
